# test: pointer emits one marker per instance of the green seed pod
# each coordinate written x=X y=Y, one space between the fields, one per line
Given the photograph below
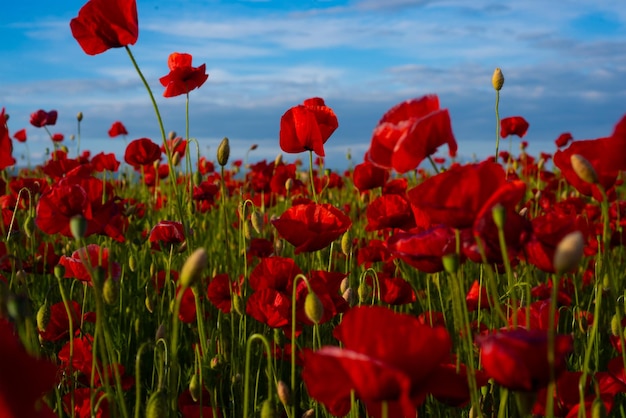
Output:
x=197 y=178
x=59 y=271
x=43 y=316
x=268 y=410
x=346 y=243
x=195 y=388
x=132 y=263
x=313 y=308
x=615 y=323
x=78 y=226
x=365 y=292
x=110 y=291
x=223 y=152
x=157 y=405
x=193 y=268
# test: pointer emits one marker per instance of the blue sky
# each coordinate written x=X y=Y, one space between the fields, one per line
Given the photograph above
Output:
x=563 y=61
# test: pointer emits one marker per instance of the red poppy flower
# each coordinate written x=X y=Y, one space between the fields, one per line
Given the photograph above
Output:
x=41 y=118
x=58 y=325
x=392 y=362
x=607 y=156
x=477 y=297
x=389 y=211
x=20 y=135
x=166 y=233
x=514 y=125
x=87 y=258
x=367 y=176
x=102 y=162
x=220 y=289
x=182 y=77
x=423 y=250
x=57 y=137
x=518 y=359
x=307 y=127
x=311 y=227
x=24 y=379
x=325 y=285
x=275 y=273
x=104 y=24
x=393 y=290
x=192 y=409
x=563 y=139
x=117 y=129
x=270 y=307
x=77 y=194
x=456 y=196
x=409 y=132
x=6 y=145
x=142 y=152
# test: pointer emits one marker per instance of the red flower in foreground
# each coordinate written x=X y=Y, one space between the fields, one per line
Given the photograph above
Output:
x=311 y=227
x=105 y=24
x=514 y=125
x=367 y=176
x=393 y=362
x=117 y=129
x=307 y=127
x=518 y=359
x=142 y=151
x=41 y=118
x=24 y=379
x=6 y=146
x=410 y=132
x=182 y=77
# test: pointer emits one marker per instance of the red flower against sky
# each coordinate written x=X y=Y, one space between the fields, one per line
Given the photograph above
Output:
x=41 y=118
x=514 y=125
x=102 y=162
x=307 y=127
x=87 y=259
x=24 y=379
x=104 y=24
x=386 y=357
x=182 y=77
x=20 y=135
x=142 y=152
x=117 y=129
x=563 y=139
x=607 y=156
x=311 y=227
x=518 y=359
x=410 y=132
x=57 y=137
x=166 y=233
x=6 y=145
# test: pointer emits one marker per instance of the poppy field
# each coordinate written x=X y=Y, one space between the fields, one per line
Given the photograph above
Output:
x=177 y=284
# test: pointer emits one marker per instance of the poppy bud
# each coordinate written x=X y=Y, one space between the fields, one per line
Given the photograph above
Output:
x=193 y=267
x=246 y=230
x=59 y=271
x=79 y=116
x=268 y=410
x=223 y=152
x=450 y=263
x=238 y=305
x=110 y=291
x=160 y=333
x=197 y=178
x=157 y=405
x=171 y=136
x=313 y=308
x=569 y=252
x=279 y=337
x=78 y=226
x=284 y=394
x=257 y=221
x=345 y=284
x=278 y=160
x=346 y=243
x=195 y=387
x=497 y=80
x=598 y=409
x=176 y=158
x=349 y=296
x=278 y=247
x=289 y=184
x=309 y=413
x=615 y=320
x=499 y=215
x=43 y=316
x=132 y=263
x=365 y=292
x=583 y=169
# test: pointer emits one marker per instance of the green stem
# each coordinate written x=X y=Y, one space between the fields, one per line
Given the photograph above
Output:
x=497 y=123
x=270 y=373
x=311 y=177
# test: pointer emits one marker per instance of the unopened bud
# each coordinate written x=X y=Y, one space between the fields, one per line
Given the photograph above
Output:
x=268 y=410
x=497 y=80
x=583 y=169
x=615 y=325
x=284 y=394
x=450 y=263
x=78 y=226
x=569 y=252
x=43 y=316
x=59 y=271
x=79 y=116
x=110 y=291
x=238 y=305
x=346 y=243
x=257 y=221
x=289 y=184
x=157 y=406
x=223 y=152
x=313 y=308
x=194 y=387
x=193 y=267
x=132 y=263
